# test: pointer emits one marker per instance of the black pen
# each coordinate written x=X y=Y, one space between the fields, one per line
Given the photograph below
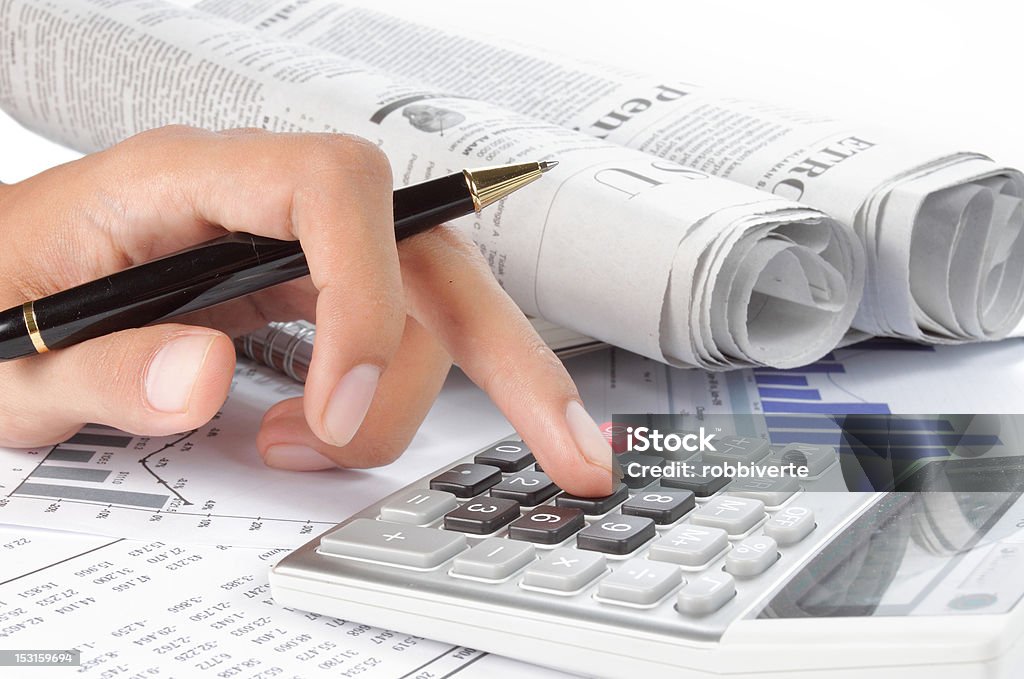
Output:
x=227 y=268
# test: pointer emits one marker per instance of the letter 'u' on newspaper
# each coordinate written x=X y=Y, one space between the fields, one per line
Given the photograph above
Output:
x=635 y=250
x=942 y=227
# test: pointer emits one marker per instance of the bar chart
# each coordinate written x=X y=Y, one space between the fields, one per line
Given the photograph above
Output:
x=210 y=486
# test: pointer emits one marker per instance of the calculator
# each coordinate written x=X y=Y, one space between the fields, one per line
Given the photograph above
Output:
x=684 y=577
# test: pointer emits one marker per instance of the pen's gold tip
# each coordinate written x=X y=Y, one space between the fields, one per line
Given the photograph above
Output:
x=546 y=165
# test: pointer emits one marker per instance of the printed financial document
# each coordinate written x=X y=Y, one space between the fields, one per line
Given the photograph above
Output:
x=158 y=609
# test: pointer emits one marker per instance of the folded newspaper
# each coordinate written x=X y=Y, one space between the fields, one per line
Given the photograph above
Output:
x=634 y=250
x=941 y=228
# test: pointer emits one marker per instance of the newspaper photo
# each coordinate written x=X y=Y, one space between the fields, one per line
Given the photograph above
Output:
x=634 y=250
x=941 y=226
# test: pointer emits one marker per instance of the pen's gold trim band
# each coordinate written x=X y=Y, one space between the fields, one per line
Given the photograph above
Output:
x=29 y=311
x=471 y=185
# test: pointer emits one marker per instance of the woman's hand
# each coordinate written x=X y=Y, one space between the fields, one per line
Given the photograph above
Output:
x=389 y=319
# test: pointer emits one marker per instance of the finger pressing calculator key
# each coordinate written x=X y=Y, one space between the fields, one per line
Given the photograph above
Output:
x=595 y=505
x=466 y=480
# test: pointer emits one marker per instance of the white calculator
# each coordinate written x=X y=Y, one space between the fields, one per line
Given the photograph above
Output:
x=685 y=577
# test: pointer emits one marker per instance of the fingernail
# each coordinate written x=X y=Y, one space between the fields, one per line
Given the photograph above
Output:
x=173 y=372
x=296 y=458
x=349 y=403
x=588 y=437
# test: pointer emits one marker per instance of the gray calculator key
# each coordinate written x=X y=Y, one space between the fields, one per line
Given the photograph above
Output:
x=395 y=543
x=616 y=534
x=817 y=458
x=565 y=570
x=706 y=594
x=742 y=450
x=639 y=581
x=772 y=492
x=692 y=546
x=752 y=556
x=418 y=506
x=735 y=515
x=494 y=559
x=790 y=525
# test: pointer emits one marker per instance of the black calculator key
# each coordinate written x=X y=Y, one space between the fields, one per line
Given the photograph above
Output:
x=466 y=480
x=547 y=525
x=526 y=488
x=697 y=482
x=616 y=534
x=482 y=515
x=637 y=469
x=595 y=505
x=661 y=506
x=508 y=456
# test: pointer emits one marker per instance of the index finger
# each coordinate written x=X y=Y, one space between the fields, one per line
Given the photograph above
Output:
x=451 y=291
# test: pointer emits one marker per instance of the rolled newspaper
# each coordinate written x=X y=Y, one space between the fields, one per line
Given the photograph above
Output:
x=643 y=253
x=941 y=227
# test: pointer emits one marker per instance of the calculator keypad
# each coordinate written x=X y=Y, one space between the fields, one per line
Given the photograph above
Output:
x=683 y=547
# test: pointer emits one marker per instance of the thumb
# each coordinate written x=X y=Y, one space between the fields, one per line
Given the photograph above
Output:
x=152 y=381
